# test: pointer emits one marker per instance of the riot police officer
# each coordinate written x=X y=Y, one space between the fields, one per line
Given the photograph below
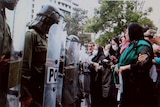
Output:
x=5 y=49
x=71 y=92
x=35 y=49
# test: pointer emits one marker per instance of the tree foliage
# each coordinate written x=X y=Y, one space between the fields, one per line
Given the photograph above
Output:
x=75 y=24
x=113 y=17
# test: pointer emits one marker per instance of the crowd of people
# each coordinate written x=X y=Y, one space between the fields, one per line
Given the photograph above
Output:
x=124 y=73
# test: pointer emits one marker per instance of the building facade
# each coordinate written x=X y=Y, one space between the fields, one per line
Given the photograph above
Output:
x=26 y=11
x=66 y=6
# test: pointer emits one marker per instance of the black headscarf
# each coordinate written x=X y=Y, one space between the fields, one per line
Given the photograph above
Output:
x=100 y=53
x=113 y=52
x=135 y=31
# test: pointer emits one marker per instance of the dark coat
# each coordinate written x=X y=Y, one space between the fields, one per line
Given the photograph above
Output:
x=33 y=70
x=5 y=49
x=137 y=85
x=96 y=80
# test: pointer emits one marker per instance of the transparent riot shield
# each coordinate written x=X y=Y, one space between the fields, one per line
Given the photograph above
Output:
x=70 y=85
x=52 y=65
x=61 y=70
x=18 y=28
x=73 y=49
x=84 y=77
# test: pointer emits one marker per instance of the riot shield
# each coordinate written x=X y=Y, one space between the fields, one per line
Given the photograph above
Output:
x=84 y=77
x=73 y=48
x=61 y=71
x=52 y=65
x=15 y=64
x=70 y=85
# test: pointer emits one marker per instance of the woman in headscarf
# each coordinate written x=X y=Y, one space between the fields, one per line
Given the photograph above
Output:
x=114 y=51
x=96 y=78
x=137 y=85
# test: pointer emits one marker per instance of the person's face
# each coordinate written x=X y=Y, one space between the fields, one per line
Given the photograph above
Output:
x=126 y=36
x=123 y=39
x=10 y=4
x=150 y=39
x=90 y=47
x=114 y=45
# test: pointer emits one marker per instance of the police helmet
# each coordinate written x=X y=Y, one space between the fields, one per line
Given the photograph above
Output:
x=50 y=14
x=47 y=16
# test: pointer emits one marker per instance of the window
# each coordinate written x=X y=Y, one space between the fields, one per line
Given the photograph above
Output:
x=32 y=5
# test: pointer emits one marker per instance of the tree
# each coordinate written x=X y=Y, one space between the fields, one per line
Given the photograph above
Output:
x=113 y=17
x=75 y=25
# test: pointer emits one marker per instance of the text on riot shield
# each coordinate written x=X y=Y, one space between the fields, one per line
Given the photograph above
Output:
x=52 y=75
